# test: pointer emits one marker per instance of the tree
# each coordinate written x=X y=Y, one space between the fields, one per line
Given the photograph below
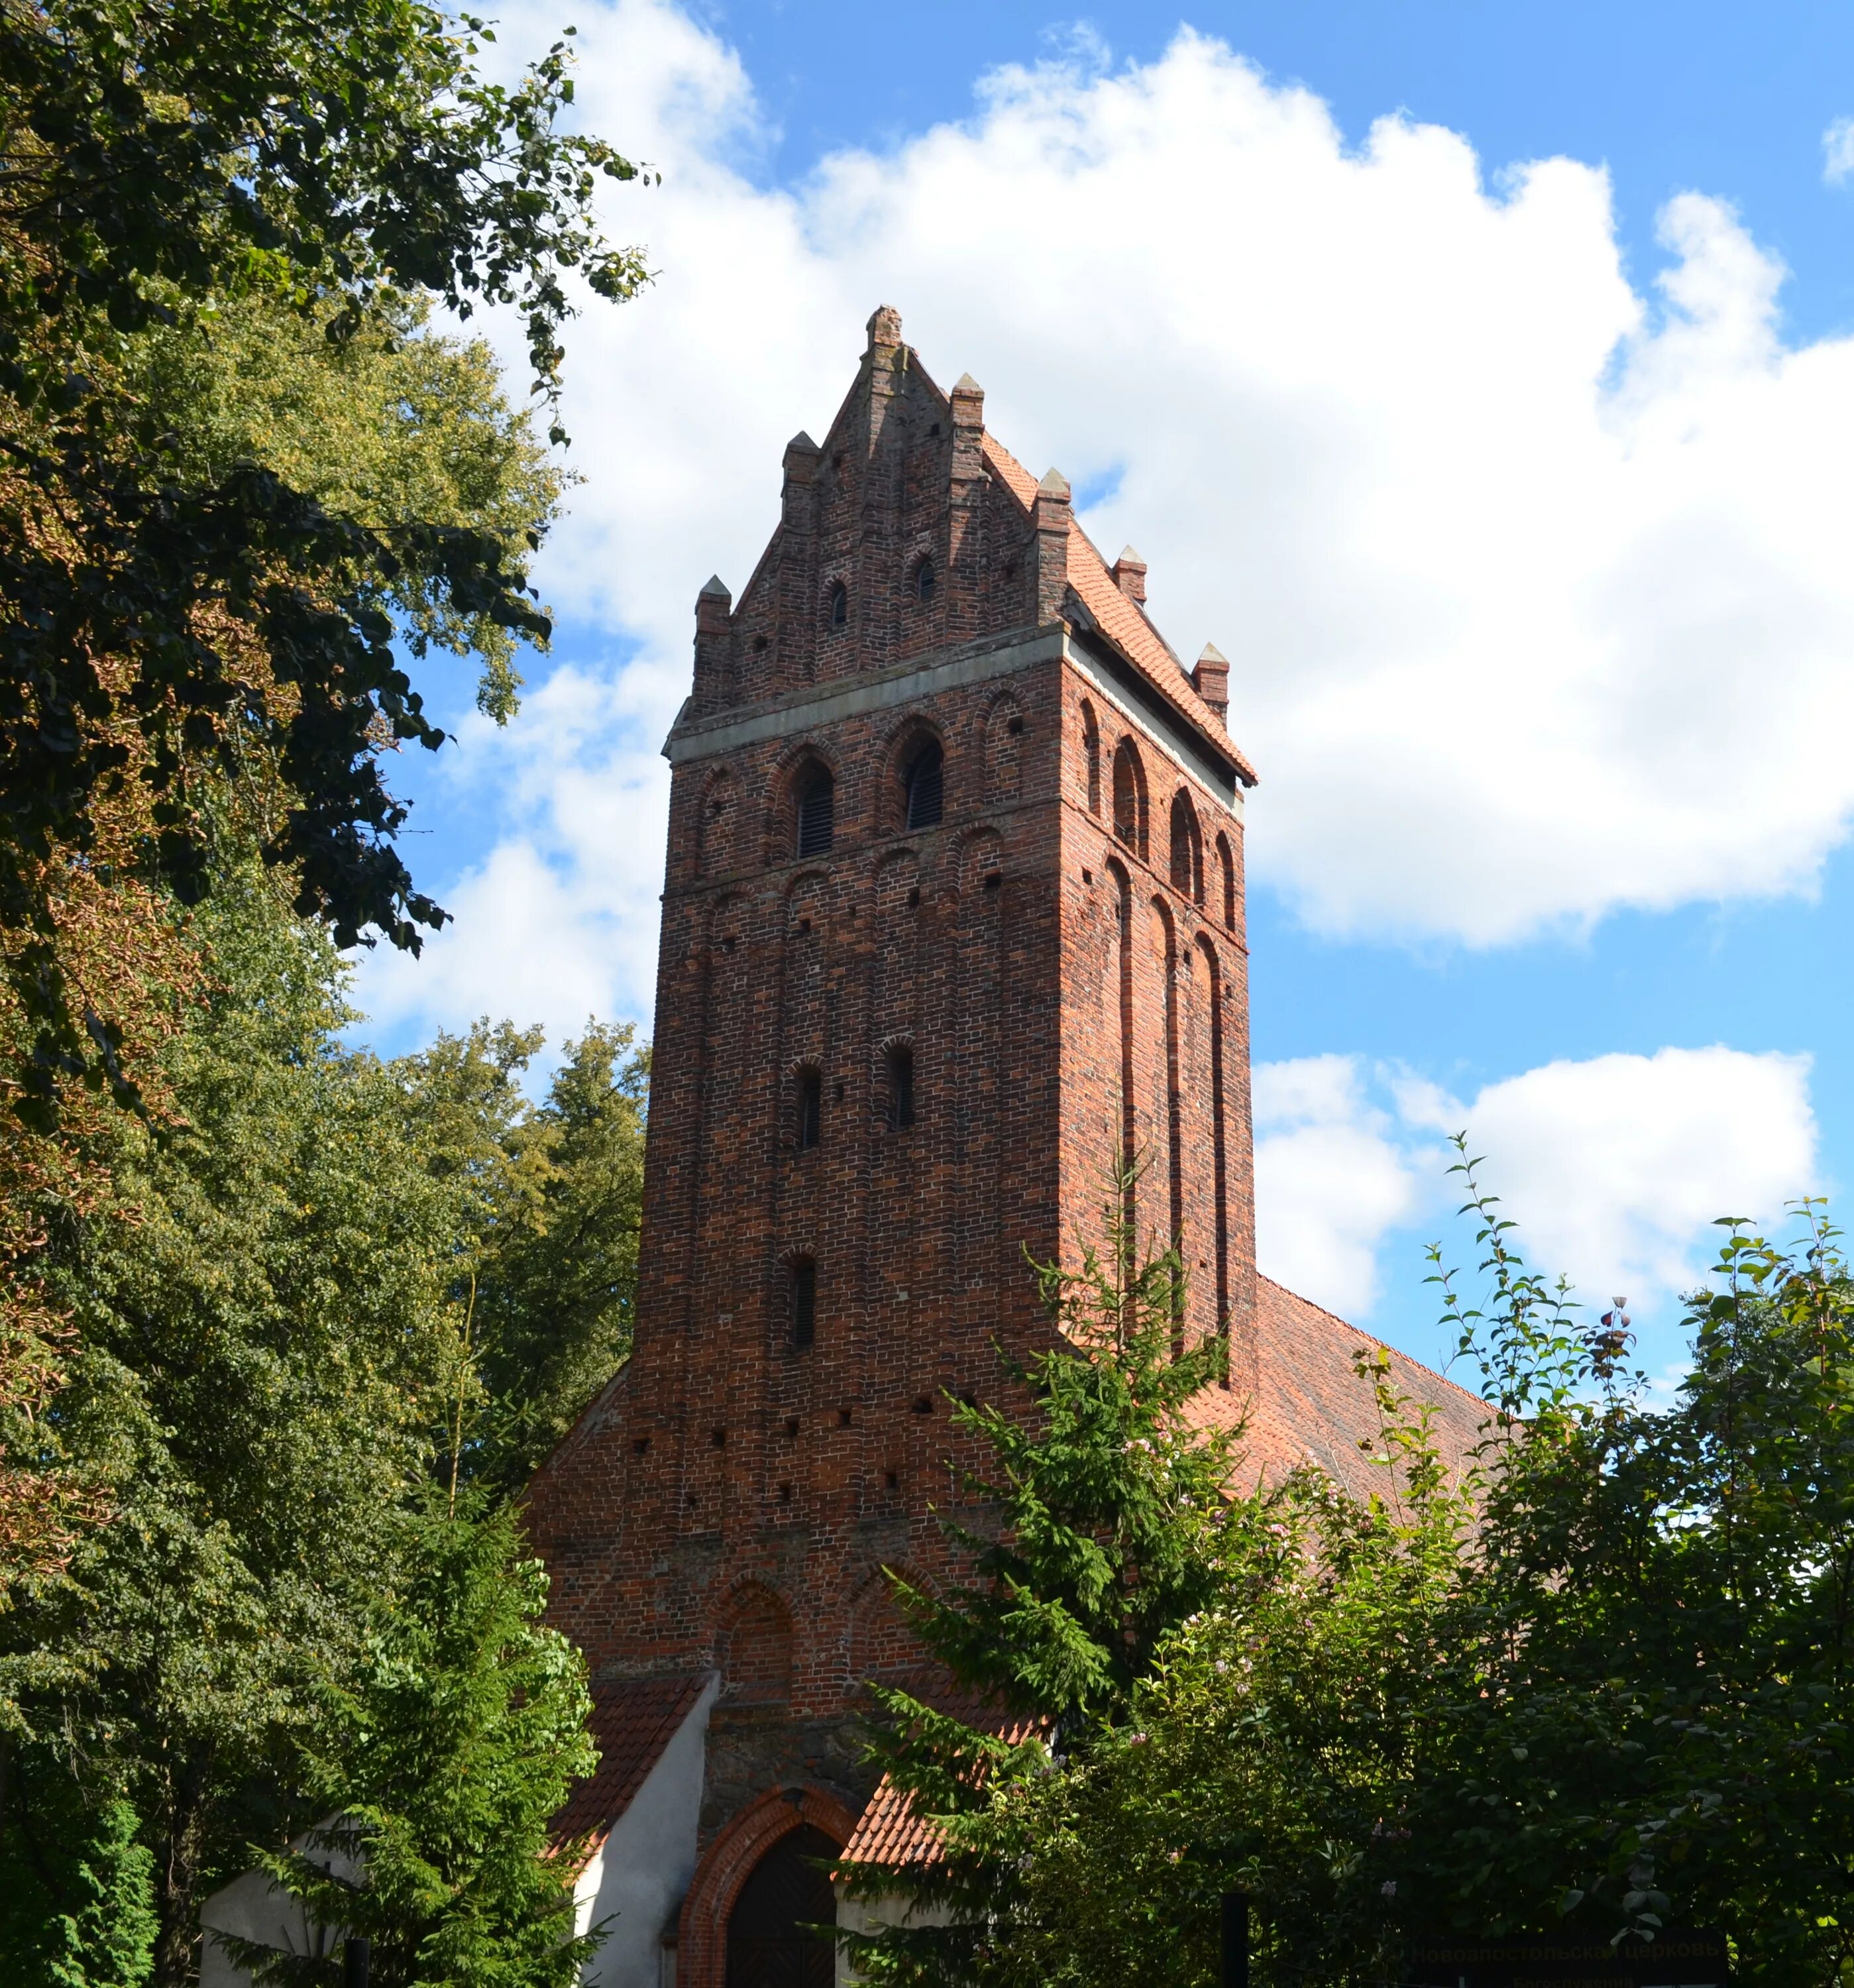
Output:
x=166 y=625
x=405 y=424
x=267 y=1307
x=78 y=1909
x=545 y=1277
x=1272 y=1741
x=259 y=1300
x=1647 y=1714
x=390 y=424
x=1110 y=1527
x=441 y=1761
x=1598 y=1687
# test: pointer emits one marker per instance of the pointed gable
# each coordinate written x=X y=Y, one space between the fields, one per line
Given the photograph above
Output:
x=907 y=481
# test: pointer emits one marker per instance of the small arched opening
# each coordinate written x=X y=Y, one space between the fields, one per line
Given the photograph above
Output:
x=1129 y=798
x=1091 y=757
x=1187 y=849
x=1226 y=882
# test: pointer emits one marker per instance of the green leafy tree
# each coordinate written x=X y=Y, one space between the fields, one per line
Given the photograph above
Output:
x=1271 y=1742
x=391 y=425
x=168 y=620
x=545 y=1277
x=1597 y=1687
x=260 y=1301
x=1647 y=1711
x=268 y=1310
x=77 y=1910
x=442 y=1758
x=1107 y=1527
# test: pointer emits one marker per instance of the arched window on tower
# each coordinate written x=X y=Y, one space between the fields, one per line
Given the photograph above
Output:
x=1091 y=753
x=811 y=1108
x=1129 y=798
x=926 y=785
x=802 y=1295
x=1187 y=849
x=926 y=580
x=838 y=604
x=817 y=799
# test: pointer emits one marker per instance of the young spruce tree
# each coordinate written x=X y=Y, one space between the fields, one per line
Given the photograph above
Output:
x=1110 y=1523
x=444 y=1757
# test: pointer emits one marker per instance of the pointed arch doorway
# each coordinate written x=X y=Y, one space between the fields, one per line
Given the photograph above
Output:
x=770 y=1943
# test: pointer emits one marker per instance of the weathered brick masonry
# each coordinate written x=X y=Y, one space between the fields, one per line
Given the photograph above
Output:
x=1059 y=959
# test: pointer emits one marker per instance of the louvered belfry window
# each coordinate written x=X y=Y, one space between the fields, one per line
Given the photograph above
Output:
x=817 y=812
x=926 y=785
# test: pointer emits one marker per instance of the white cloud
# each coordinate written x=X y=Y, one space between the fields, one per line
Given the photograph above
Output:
x=1330 y=1181
x=1838 y=152
x=558 y=921
x=1535 y=585
x=1616 y=1167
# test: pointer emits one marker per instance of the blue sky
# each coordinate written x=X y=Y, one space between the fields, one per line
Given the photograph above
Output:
x=1516 y=493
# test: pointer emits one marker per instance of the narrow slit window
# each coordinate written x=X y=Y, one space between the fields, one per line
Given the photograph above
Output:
x=900 y=1087
x=811 y=1108
x=817 y=812
x=804 y=1302
x=840 y=604
x=925 y=581
x=926 y=785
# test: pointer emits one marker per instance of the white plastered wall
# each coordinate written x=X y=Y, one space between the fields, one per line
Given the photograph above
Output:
x=868 y=1915
x=252 y=1908
x=637 y=1877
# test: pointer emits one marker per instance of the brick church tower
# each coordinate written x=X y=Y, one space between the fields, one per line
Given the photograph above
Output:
x=953 y=917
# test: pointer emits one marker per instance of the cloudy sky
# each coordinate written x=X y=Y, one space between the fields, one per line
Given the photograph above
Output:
x=1480 y=381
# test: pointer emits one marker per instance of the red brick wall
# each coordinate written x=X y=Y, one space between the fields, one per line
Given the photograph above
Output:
x=731 y=1498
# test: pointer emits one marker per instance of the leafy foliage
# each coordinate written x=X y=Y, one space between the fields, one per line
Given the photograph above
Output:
x=77 y=1910
x=389 y=425
x=166 y=621
x=550 y=1196
x=258 y=1297
x=1647 y=1714
x=1598 y=1683
x=441 y=1760
x=1112 y=1529
x=266 y=1300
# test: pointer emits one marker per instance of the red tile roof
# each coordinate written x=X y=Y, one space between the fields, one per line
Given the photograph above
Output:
x=889 y=1832
x=632 y=1723
x=1122 y=620
x=1311 y=1406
